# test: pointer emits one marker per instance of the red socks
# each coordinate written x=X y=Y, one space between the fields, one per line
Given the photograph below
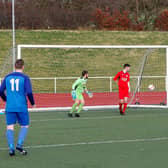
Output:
x=125 y=107
x=120 y=107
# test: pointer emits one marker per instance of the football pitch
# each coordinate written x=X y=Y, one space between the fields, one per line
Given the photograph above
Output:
x=99 y=139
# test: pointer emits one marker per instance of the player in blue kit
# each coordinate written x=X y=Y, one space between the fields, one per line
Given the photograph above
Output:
x=15 y=88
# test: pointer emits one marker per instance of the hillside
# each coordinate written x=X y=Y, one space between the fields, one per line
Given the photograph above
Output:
x=99 y=62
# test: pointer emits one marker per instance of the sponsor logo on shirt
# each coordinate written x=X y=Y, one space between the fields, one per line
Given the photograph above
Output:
x=124 y=79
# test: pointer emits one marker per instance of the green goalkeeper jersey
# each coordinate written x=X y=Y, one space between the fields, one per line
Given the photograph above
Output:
x=79 y=85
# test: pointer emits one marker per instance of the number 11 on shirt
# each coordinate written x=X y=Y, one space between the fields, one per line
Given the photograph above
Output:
x=14 y=82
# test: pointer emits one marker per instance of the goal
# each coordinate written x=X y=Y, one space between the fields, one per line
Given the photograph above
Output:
x=53 y=68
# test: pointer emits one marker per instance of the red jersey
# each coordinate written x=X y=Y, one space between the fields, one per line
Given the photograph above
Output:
x=123 y=79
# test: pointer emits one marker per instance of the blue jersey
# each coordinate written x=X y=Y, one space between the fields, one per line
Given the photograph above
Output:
x=17 y=86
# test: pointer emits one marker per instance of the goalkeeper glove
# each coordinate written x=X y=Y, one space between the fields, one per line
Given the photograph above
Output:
x=73 y=93
x=89 y=94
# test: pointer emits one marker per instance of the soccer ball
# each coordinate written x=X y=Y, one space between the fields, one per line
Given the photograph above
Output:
x=151 y=87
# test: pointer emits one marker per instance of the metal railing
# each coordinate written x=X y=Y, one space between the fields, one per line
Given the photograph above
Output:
x=54 y=80
x=154 y=79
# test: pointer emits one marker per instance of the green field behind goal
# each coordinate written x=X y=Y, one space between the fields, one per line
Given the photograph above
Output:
x=99 y=62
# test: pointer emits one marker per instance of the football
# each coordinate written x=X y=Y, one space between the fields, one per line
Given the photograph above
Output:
x=151 y=87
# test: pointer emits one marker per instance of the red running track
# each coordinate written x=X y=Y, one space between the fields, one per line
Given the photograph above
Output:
x=65 y=100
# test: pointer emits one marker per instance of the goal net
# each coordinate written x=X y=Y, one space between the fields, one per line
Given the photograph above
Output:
x=53 y=69
x=6 y=66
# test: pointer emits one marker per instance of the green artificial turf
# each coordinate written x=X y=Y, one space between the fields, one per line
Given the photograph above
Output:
x=114 y=141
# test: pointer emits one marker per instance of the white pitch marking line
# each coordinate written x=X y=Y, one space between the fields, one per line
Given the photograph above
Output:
x=98 y=118
x=96 y=143
x=100 y=142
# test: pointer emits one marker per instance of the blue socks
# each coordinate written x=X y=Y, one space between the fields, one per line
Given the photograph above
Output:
x=10 y=138
x=22 y=136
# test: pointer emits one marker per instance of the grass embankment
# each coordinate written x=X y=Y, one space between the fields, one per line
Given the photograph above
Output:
x=99 y=62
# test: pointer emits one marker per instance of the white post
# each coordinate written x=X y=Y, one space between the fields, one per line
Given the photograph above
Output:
x=19 y=52
x=167 y=76
x=13 y=32
x=110 y=84
x=55 y=85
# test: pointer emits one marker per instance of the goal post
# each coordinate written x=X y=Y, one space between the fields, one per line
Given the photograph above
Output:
x=138 y=91
x=20 y=46
x=167 y=74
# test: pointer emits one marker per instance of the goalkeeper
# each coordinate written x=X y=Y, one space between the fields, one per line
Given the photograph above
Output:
x=78 y=87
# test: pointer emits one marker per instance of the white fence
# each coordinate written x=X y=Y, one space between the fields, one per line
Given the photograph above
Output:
x=158 y=81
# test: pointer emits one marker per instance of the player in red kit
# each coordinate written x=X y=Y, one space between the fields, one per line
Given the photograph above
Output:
x=122 y=78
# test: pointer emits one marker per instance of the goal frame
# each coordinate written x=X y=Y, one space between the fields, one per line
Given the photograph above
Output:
x=19 y=56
